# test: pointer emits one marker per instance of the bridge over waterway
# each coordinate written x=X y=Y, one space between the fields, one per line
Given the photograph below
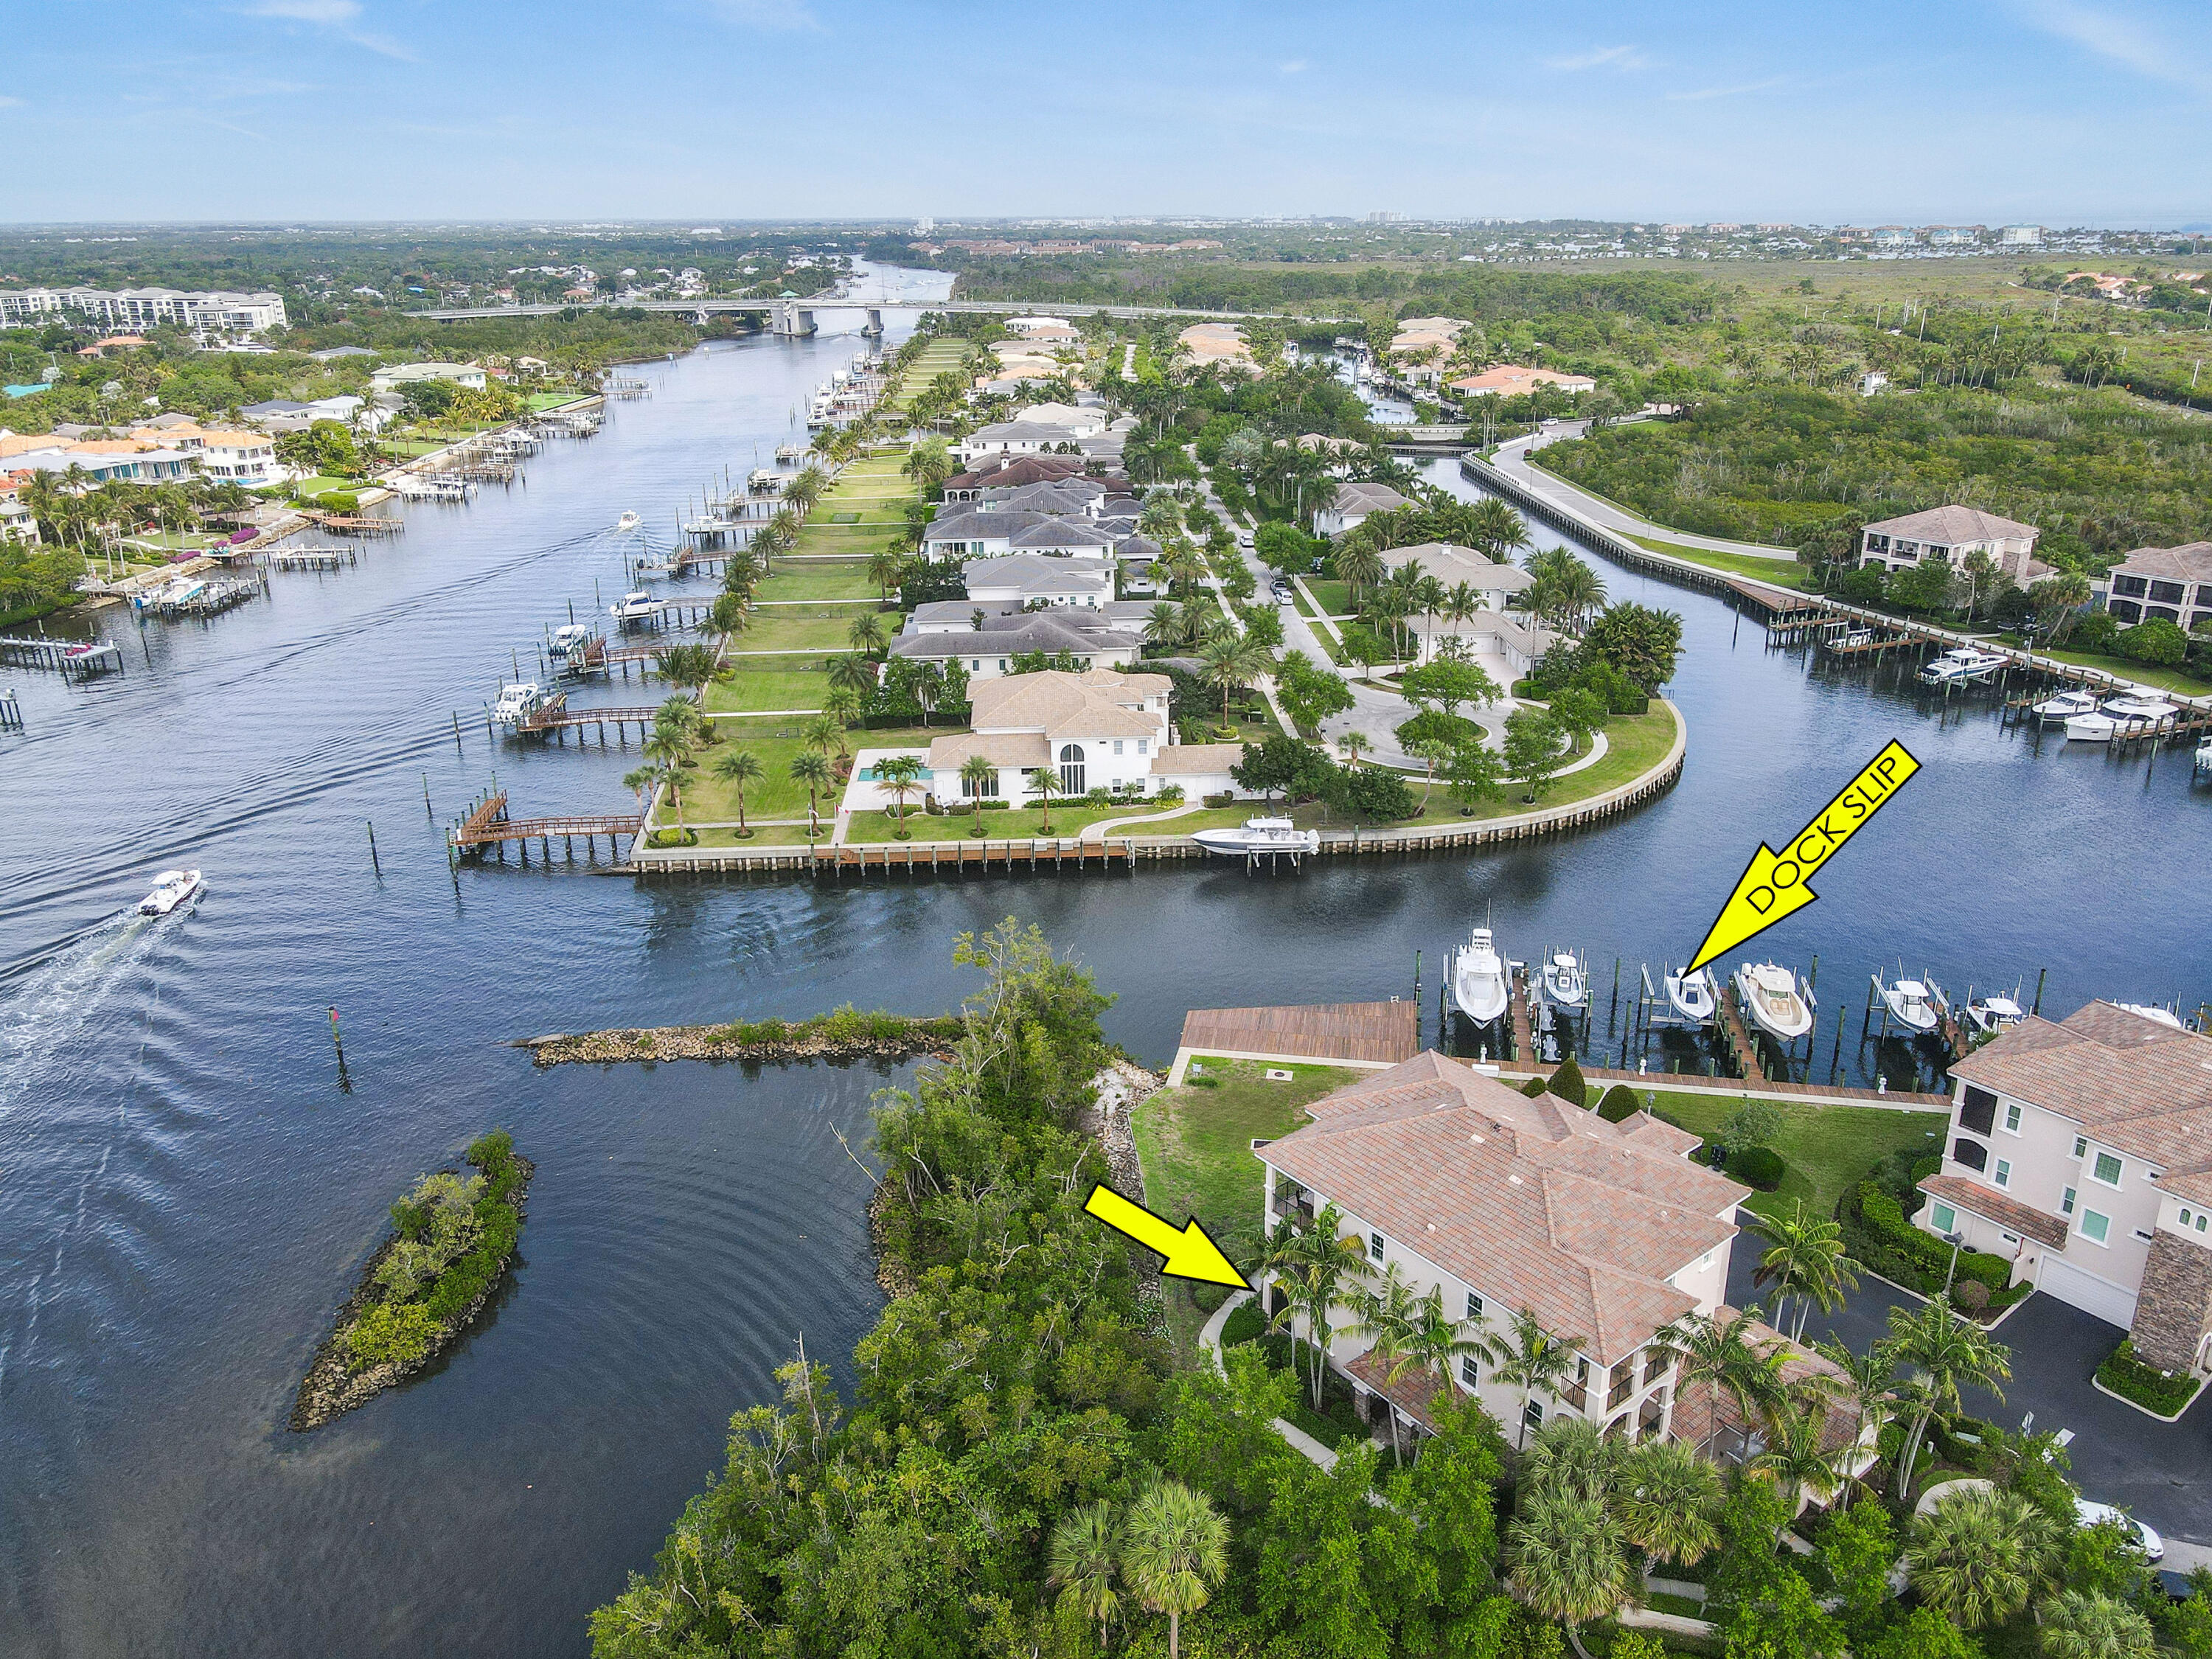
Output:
x=796 y=316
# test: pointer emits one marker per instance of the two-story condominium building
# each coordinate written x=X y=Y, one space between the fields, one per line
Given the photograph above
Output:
x=1605 y=1232
x=2160 y=584
x=1950 y=534
x=2083 y=1151
x=1350 y=504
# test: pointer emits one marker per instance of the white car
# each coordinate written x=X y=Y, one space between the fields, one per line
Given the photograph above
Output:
x=2099 y=1515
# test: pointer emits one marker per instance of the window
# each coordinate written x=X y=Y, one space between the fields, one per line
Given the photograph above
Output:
x=1971 y=1153
x=2095 y=1227
x=1533 y=1414
x=2145 y=1236
x=1978 y=1110
x=2012 y=1118
x=1117 y=745
x=1374 y=1247
x=1473 y=1307
x=2132 y=585
x=1469 y=1377
x=1071 y=775
x=2200 y=1221
x=2184 y=1215
x=1141 y=742
x=2066 y=1202
x=1945 y=1218
x=2081 y=1146
x=2107 y=1169
x=2004 y=1172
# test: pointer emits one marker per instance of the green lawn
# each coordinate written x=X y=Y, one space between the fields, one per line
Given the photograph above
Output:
x=1827 y=1149
x=751 y=689
x=793 y=628
x=1335 y=595
x=766 y=835
x=1783 y=573
x=1068 y=818
x=824 y=581
x=775 y=744
x=2170 y=679
x=1635 y=744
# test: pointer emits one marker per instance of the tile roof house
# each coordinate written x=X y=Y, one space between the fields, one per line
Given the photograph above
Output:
x=1353 y=503
x=2165 y=584
x=1013 y=438
x=1951 y=533
x=1512 y=380
x=1098 y=730
x=1504 y=644
x=968 y=532
x=1042 y=578
x=2081 y=1150
x=1451 y=564
x=1605 y=1232
x=989 y=651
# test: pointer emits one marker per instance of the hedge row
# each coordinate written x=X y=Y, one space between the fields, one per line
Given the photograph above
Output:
x=2128 y=1374
x=1882 y=1240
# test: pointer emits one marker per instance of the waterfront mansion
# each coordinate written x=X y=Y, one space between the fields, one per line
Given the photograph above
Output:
x=1100 y=730
x=2081 y=1152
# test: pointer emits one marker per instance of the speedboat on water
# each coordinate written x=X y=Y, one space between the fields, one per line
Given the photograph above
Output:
x=637 y=605
x=1565 y=982
x=1692 y=996
x=629 y=521
x=1776 y=1002
x=2065 y=706
x=1258 y=836
x=1990 y=1015
x=516 y=701
x=1909 y=1002
x=171 y=888
x=1479 y=979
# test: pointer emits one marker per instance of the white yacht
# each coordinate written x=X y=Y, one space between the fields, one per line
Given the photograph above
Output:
x=628 y=522
x=570 y=640
x=1990 y=1015
x=171 y=888
x=1258 y=836
x=1776 y=1002
x=637 y=605
x=2120 y=715
x=1565 y=982
x=1909 y=1002
x=1479 y=979
x=2204 y=756
x=2152 y=1012
x=1692 y=995
x=516 y=701
x=2065 y=706
x=1963 y=662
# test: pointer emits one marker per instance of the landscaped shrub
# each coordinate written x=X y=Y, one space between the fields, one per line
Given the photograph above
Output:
x=673 y=837
x=1207 y=1297
x=1757 y=1166
x=2132 y=1378
x=1567 y=1083
x=1882 y=1240
x=1620 y=1102
x=1245 y=1325
x=1535 y=1088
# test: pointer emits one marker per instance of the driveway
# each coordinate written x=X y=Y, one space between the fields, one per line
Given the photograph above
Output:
x=2161 y=1473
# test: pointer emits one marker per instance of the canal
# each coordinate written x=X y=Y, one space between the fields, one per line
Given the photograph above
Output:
x=189 y=1184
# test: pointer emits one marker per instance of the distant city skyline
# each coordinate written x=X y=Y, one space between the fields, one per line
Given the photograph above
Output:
x=1994 y=111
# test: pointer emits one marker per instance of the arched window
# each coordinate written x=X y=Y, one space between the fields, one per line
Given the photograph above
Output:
x=1070 y=769
x=1971 y=1153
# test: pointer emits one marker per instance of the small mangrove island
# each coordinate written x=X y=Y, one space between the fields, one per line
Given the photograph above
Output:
x=453 y=1235
x=845 y=1033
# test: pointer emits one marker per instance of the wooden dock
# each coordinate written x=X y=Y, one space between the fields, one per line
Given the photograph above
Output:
x=1517 y=1004
x=366 y=524
x=488 y=828
x=77 y=659
x=311 y=558
x=555 y=715
x=1742 y=1046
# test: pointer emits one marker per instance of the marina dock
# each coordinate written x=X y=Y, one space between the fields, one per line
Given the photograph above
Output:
x=555 y=715
x=75 y=658
x=1743 y=1047
x=489 y=828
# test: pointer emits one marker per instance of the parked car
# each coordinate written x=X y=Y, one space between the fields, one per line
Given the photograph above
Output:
x=2099 y=1515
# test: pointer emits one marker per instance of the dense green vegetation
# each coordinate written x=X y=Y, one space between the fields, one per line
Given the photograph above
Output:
x=2126 y=1373
x=842 y=1027
x=454 y=1235
x=34 y=580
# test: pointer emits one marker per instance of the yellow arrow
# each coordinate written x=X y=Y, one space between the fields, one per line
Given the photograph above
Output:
x=1190 y=1252
x=1774 y=885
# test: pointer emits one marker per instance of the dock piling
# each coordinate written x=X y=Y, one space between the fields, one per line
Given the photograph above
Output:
x=374 y=863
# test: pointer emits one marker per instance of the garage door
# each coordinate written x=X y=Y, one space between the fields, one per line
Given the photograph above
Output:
x=2088 y=1292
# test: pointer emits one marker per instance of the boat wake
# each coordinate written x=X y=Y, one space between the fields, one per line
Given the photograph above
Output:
x=44 y=1011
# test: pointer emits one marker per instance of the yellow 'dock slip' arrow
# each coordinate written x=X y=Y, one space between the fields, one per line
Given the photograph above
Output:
x=1774 y=885
x=1190 y=1252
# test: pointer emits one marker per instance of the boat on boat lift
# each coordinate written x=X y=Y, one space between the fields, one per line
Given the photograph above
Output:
x=171 y=888
x=1260 y=838
x=637 y=605
x=1911 y=1002
x=1479 y=988
x=1692 y=995
x=1777 y=1000
x=1961 y=663
x=517 y=701
x=2122 y=716
x=2065 y=706
x=570 y=639
x=1565 y=982
x=1990 y=1015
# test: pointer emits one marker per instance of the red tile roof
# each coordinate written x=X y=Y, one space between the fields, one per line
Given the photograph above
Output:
x=2002 y=1208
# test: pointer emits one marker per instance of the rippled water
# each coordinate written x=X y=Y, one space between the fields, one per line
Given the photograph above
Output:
x=188 y=1190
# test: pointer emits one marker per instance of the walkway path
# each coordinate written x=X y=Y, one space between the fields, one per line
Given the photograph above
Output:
x=1210 y=1340
x=1099 y=831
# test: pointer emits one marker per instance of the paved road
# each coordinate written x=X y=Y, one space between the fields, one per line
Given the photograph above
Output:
x=1512 y=459
x=2160 y=1471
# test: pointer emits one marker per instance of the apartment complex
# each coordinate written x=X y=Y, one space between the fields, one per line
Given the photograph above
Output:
x=2159 y=584
x=1951 y=533
x=2082 y=1151
x=137 y=308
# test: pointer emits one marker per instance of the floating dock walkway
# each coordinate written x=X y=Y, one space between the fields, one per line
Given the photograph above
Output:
x=78 y=659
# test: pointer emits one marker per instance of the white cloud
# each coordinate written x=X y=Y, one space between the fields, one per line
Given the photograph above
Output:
x=1295 y=66
x=335 y=15
x=766 y=14
x=1704 y=93
x=1625 y=57
x=6 y=102
x=2122 y=40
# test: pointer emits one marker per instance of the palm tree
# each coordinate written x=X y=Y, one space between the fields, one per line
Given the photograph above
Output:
x=1570 y=1454
x=825 y=732
x=1805 y=1259
x=1223 y=665
x=852 y=674
x=1864 y=1380
x=1354 y=745
x=669 y=748
x=843 y=706
x=1383 y=1318
x=1166 y=624
x=886 y=566
x=1175 y=1549
x=1944 y=1352
x=1980 y=1557
x=645 y=782
x=1461 y=602
x=975 y=776
x=1723 y=1357
x=1360 y=566
x=928 y=687
x=1524 y=1357
x=730 y=614
x=1438 y=1343
x=2083 y=1625
x=901 y=775
x=805 y=488
x=1082 y=1558
x=1044 y=783
x=811 y=767
x=866 y=634
x=1795 y=1460
x=1495 y=527
x=1577 y=590
x=1564 y=1558
x=740 y=769
x=1666 y=1496
x=1311 y=1266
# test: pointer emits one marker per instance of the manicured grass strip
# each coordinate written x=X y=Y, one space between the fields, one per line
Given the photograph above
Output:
x=1783 y=573
x=780 y=629
x=832 y=582
x=1635 y=744
x=1336 y=595
x=2170 y=679
x=775 y=744
x=1825 y=1149
x=750 y=689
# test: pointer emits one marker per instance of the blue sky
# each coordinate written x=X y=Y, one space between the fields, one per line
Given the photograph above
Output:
x=2061 y=111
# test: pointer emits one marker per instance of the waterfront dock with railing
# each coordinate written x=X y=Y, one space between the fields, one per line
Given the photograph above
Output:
x=79 y=659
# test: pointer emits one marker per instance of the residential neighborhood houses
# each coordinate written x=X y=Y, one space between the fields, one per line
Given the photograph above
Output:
x=1953 y=534
x=2159 y=584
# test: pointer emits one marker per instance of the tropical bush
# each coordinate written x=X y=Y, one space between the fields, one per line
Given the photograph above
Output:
x=2131 y=1376
x=454 y=1235
x=1620 y=1102
x=1757 y=1166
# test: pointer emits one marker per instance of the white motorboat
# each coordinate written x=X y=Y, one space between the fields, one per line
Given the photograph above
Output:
x=1479 y=979
x=516 y=701
x=570 y=640
x=628 y=522
x=2065 y=706
x=2151 y=1011
x=2120 y=716
x=637 y=605
x=1259 y=836
x=2204 y=756
x=1961 y=662
x=1990 y=1015
x=1565 y=982
x=171 y=888
x=1692 y=995
x=653 y=563
x=1910 y=1003
x=1776 y=1002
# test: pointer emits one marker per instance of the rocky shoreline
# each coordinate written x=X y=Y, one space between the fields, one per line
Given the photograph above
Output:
x=648 y=1043
x=331 y=1388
